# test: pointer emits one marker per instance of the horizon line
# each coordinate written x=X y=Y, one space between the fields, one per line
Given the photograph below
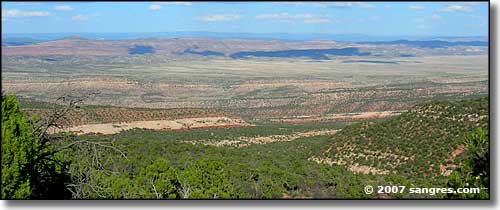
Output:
x=266 y=33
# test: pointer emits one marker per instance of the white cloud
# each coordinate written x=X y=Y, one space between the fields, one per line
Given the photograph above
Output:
x=353 y=4
x=319 y=4
x=285 y=17
x=79 y=18
x=314 y=4
x=63 y=8
x=28 y=3
x=157 y=5
x=14 y=13
x=154 y=7
x=219 y=17
x=475 y=3
x=455 y=8
x=82 y=17
x=436 y=17
x=183 y=3
x=318 y=20
x=332 y=4
x=432 y=18
x=416 y=7
x=365 y=6
x=282 y=16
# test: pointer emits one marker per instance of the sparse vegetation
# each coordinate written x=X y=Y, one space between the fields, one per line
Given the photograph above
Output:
x=417 y=143
x=190 y=122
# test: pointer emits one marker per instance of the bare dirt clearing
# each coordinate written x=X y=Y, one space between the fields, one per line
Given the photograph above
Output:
x=247 y=141
x=339 y=117
x=354 y=168
x=179 y=124
x=447 y=169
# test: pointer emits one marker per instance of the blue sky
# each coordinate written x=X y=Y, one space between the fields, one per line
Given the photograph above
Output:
x=370 y=18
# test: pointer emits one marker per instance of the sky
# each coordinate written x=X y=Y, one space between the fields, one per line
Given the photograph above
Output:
x=369 y=18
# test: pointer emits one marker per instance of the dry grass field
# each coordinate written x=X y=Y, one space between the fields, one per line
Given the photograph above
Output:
x=254 y=89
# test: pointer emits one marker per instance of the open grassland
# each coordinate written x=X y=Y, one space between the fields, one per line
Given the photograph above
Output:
x=250 y=88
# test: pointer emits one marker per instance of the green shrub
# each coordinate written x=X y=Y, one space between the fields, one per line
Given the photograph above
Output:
x=475 y=172
x=29 y=170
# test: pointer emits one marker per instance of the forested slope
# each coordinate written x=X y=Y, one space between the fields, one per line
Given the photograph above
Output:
x=426 y=142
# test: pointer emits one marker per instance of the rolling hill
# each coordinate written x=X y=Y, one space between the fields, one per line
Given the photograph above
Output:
x=19 y=41
x=430 y=43
x=426 y=142
x=236 y=48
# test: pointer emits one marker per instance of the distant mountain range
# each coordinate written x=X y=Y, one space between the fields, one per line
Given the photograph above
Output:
x=429 y=43
x=223 y=35
x=18 y=41
x=236 y=48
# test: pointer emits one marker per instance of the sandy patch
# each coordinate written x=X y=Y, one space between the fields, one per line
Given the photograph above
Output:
x=447 y=169
x=367 y=170
x=353 y=168
x=247 y=141
x=339 y=117
x=179 y=124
